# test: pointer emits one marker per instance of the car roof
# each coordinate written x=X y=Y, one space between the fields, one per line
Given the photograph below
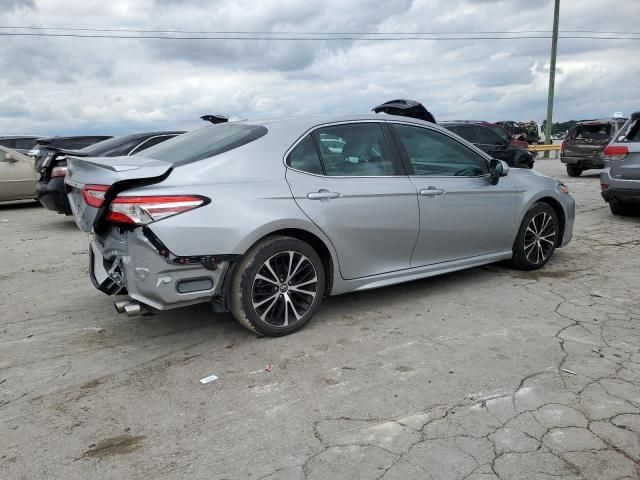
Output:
x=311 y=121
x=16 y=137
x=601 y=121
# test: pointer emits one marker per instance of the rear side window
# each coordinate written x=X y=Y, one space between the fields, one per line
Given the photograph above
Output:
x=150 y=142
x=467 y=132
x=205 y=142
x=305 y=157
x=631 y=131
x=354 y=150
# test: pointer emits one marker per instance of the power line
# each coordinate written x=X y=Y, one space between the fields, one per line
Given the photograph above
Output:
x=316 y=38
x=226 y=32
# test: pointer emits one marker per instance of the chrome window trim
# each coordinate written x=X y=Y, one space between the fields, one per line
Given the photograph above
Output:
x=440 y=130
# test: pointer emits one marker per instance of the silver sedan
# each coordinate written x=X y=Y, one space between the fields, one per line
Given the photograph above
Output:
x=266 y=218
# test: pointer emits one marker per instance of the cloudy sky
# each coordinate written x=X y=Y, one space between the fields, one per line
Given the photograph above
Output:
x=65 y=85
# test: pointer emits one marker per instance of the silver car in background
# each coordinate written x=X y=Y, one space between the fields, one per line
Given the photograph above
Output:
x=265 y=218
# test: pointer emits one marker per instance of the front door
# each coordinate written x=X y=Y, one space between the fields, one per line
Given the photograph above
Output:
x=461 y=214
x=345 y=179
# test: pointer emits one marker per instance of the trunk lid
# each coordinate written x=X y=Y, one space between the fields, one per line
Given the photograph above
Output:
x=116 y=174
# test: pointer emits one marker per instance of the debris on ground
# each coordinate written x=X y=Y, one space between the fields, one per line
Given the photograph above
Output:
x=208 y=379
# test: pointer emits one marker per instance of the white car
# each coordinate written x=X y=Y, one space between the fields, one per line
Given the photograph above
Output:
x=18 y=176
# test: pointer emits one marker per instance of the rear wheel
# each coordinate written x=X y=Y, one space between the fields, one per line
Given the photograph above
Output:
x=537 y=238
x=277 y=287
x=574 y=170
x=617 y=207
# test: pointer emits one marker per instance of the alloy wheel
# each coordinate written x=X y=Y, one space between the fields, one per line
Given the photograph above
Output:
x=284 y=288
x=540 y=238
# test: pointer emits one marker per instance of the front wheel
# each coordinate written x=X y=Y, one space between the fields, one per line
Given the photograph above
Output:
x=277 y=287
x=537 y=238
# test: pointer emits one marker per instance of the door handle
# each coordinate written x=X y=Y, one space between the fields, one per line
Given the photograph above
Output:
x=432 y=192
x=323 y=195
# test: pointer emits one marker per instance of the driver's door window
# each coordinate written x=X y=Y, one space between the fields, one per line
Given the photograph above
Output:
x=431 y=153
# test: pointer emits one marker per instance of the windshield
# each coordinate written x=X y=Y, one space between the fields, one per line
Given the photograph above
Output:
x=205 y=142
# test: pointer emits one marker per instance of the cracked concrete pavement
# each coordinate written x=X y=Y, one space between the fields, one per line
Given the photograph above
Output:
x=486 y=374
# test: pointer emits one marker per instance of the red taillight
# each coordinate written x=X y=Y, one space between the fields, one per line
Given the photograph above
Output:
x=144 y=210
x=563 y=145
x=604 y=186
x=615 y=152
x=59 y=172
x=94 y=194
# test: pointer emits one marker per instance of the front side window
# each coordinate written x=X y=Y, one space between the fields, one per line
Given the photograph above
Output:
x=432 y=153
x=357 y=149
x=305 y=157
x=488 y=136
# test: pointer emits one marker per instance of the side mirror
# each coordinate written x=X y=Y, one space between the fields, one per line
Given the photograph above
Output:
x=497 y=169
x=10 y=158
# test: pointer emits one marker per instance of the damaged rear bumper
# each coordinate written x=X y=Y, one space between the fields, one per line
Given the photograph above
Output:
x=128 y=263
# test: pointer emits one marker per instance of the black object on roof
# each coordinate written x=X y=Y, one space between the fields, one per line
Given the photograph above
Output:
x=406 y=108
x=215 y=118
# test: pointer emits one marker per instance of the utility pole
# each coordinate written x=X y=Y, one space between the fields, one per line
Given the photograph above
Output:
x=552 y=72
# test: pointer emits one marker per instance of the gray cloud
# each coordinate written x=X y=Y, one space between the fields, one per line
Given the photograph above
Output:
x=60 y=86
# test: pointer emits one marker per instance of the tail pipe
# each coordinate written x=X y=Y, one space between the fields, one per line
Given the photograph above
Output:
x=129 y=307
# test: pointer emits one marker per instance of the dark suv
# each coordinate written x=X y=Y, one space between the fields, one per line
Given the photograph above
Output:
x=21 y=143
x=50 y=188
x=47 y=146
x=492 y=139
x=583 y=147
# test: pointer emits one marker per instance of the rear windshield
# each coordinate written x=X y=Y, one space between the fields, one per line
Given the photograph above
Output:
x=205 y=142
x=598 y=133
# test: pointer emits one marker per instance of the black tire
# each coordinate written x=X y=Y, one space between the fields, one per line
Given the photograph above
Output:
x=529 y=253
x=574 y=170
x=263 y=303
x=618 y=208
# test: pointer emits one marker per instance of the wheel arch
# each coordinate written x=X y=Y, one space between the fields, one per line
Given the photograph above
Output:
x=322 y=246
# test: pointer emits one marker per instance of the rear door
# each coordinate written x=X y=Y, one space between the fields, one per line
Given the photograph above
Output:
x=462 y=214
x=17 y=176
x=351 y=184
x=629 y=167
